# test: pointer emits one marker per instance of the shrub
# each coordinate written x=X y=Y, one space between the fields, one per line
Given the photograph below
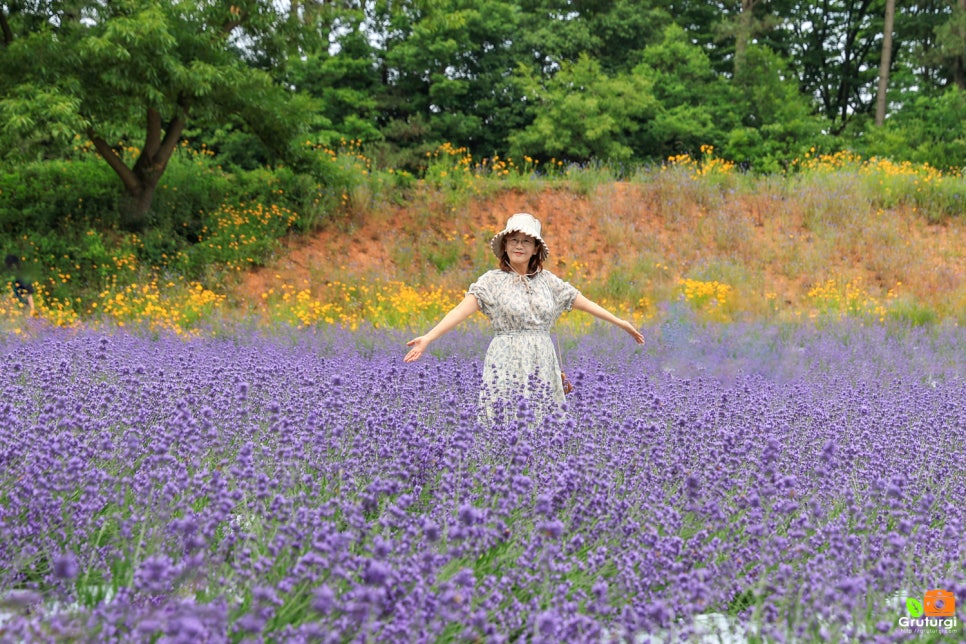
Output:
x=50 y=195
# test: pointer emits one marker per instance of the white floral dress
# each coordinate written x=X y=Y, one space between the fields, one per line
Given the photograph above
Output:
x=521 y=360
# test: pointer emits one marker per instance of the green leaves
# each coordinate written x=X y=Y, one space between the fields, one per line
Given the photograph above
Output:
x=138 y=70
x=612 y=80
x=582 y=114
x=30 y=117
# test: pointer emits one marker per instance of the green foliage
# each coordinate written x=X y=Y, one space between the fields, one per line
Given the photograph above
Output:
x=446 y=77
x=842 y=86
x=42 y=196
x=582 y=114
x=883 y=184
x=74 y=264
x=239 y=236
x=941 y=199
x=444 y=256
x=346 y=85
x=281 y=122
x=951 y=41
x=912 y=313
x=449 y=170
x=616 y=81
x=930 y=129
x=207 y=223
x=235 y=148
x=776 y=125
x=192 y=186
x=694 y=106
x=38 y=123
x=136 y=71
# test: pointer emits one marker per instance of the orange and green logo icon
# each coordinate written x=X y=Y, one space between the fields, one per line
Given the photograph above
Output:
x=936 y=603
x=939 y=603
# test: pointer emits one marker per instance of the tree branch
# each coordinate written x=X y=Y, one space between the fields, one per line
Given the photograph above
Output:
x=229 y=26
x=171 y=137
x=127 y=176
x=5 y=28
x=172 y=133
x=238 y=17
x=152 y=137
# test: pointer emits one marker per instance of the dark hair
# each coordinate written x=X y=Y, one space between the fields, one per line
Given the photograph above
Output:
x=12 y=261
x=536 y=262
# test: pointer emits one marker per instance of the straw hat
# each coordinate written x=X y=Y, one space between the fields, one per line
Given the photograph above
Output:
x=521 y=222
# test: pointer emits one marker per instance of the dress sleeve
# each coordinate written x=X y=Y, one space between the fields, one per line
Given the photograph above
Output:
x=564 y=293
x=482 y=289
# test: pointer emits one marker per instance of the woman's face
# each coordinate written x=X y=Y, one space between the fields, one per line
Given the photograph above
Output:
x=520 y=248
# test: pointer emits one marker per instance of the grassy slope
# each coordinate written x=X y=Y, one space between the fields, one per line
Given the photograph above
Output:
x=783 y=253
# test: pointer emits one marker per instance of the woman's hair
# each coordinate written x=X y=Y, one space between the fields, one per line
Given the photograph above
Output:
x=536 y=262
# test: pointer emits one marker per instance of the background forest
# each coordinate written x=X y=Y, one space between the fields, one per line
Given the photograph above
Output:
x=144 y=140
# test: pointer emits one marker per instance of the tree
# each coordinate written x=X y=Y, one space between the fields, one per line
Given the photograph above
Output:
x=886 y=62
x=347 y=85
x=613 y=32
x=776 y=125
x=112 y=71
x=834 y=44
x=446 y=76
x=926 y=129
x=744 y=23
x=582 y=114
x=696 y=106
x=952 y=43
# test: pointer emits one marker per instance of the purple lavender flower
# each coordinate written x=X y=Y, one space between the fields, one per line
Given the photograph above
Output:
x=65 y=566
x=469 y=515
x=323 y=599
x=154 y=574
x=546 y=624
x=376 y=572
x=552 y=529
x=167 y=481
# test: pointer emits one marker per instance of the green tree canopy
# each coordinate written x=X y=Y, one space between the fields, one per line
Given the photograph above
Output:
x=582 y=114
x=696 y=105
x=129 y=75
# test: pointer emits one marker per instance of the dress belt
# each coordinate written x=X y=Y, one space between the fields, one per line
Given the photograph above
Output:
x=524 y=332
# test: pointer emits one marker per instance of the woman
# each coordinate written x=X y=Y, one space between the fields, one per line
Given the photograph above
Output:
x=23 y=288
x=523 y=301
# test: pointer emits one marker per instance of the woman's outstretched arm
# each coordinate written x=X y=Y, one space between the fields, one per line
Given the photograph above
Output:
x=581 y=303
x=460 y=312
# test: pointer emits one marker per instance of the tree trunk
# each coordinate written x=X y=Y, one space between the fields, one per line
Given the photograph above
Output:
x=141 y=180
x=135 y=208
x=886 y=61
x=5 y=28
x=746 y=21
x=959 y=65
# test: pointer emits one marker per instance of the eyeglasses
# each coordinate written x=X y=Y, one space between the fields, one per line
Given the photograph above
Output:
x=522 y=241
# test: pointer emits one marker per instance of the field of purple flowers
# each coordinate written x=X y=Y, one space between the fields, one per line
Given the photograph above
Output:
x=795 y=483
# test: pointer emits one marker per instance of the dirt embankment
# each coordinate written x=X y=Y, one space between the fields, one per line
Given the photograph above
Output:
x=764 y=245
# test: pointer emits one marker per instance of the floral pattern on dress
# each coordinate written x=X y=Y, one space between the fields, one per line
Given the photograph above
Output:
x=521 y=360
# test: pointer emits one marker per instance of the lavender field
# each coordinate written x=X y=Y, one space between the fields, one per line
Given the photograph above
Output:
x=771 y=483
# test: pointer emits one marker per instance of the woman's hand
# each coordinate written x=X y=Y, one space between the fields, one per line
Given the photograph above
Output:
x=418 y=347
x=581 y=303
x=637 y=335
x=460 y=312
